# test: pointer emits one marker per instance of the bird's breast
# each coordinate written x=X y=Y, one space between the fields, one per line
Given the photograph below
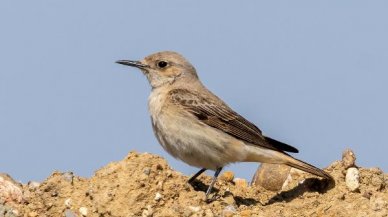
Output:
x=156 y=101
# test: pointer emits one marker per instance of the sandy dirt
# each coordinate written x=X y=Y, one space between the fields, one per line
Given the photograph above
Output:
x=144 y=185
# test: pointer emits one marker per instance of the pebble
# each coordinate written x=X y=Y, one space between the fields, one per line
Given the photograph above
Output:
x=158 y=196
x=352 y=179
x=68 y=176
x=69 y=213
x=271 y=176
x=68 y=202
x=15 y=212
x=83 y=211
x=147 y=170
x=33 y=185
x=227 y=176
x=348 y=159
x=195 y=208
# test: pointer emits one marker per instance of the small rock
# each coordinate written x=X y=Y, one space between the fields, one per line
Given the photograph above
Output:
x=195 y=208
x=352 y=179
x=158 y=196
x=68 y=176
x=348 y=159
x=83 y=211
x=271 y=176
x=147 y=171
x=32 y=185
x=367 y=194
x=227 y=176
x=15 y=212
x=229 y=211
x=69 y=213
x=68 y=202
x=240 y=182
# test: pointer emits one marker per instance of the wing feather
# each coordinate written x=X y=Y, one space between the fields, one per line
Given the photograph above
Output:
x=213 y=112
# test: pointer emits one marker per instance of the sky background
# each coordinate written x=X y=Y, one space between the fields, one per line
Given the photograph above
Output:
x=313 y=74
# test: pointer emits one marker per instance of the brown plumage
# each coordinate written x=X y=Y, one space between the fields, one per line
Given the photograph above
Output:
x=197 y=127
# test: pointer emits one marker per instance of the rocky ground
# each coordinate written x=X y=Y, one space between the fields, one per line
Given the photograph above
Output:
x=144 y=185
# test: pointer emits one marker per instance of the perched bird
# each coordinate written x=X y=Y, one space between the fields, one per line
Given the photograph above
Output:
x=197 y=127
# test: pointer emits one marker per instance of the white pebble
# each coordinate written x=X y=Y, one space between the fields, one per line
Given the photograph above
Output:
x=352 y=179
x=33 y=185
x=158 y=196
x=83 y=211
x=68 y=202
x=195 y=209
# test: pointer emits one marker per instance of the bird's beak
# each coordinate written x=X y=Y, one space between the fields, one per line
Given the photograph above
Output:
x=133 y=63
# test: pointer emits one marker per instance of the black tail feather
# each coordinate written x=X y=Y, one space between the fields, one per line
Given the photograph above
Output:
x=280 y=145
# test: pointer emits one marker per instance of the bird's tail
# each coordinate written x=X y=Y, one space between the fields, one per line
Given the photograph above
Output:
x=298 y=164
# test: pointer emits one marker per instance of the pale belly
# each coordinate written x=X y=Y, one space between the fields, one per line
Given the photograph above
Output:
x=196 y=143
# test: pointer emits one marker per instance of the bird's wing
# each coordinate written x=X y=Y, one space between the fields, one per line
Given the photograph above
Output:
x=217 y=114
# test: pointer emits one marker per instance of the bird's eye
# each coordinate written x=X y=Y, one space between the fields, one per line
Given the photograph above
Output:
x=162 y=64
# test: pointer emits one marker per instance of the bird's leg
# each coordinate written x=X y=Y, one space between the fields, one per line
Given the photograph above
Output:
x=213 y=182
x=191 y=180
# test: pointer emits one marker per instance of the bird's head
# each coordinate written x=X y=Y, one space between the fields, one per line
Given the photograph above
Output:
x=164 y=68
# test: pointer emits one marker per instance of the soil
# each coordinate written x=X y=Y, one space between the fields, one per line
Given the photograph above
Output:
x=144 y=185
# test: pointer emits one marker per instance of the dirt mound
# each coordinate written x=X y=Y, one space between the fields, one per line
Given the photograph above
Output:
x=144 y=185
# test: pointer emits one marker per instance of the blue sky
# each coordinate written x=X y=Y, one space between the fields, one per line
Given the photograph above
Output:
x=312 y=74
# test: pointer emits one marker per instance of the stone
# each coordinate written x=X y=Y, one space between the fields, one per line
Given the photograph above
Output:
x=195 y=209
x=348 y=159
x=68 y=176
x=271 y=176
x=68 y=202
x=83 y=211
x=147 y=171
x=158 y=196
x=69 y=213
x=32 y=185
x=352 y=179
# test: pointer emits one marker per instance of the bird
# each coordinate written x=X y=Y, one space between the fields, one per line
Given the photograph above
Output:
x=195 y=126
